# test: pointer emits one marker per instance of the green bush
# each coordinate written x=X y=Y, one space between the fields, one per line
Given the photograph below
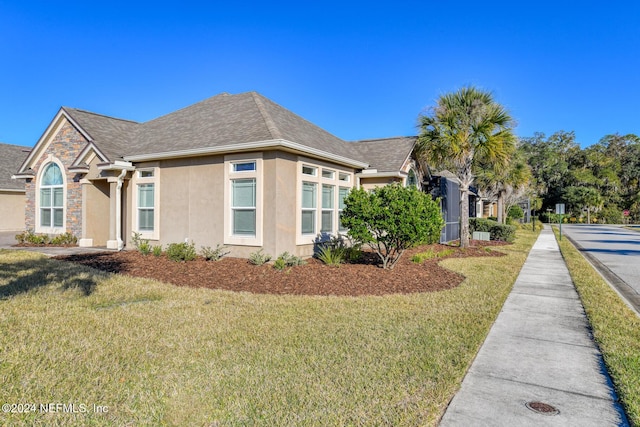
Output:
x=286 y=259
x=497 y=231
x=29 y=236
x=181 y=251
x=157 y=250
x=515 y=212
x=430 y=254
x=211 y=254
x=331 y=255
x=259 y=258
x=141 y=244
x=391 y=219
x=64 y=239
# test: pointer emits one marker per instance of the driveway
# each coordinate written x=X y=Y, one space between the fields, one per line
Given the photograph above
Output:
x=615 y=252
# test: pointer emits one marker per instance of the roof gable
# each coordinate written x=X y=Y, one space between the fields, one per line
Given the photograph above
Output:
x=387 y=154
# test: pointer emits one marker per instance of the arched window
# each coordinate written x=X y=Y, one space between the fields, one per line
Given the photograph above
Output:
x=412 y=180
x=52 y=197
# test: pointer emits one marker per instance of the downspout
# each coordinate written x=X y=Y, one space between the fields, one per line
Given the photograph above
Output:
x=123 y=172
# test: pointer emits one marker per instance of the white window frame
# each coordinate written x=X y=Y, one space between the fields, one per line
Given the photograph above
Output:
x=52 y=229
x=313 y=209
x=230 y=175
x=139 y=180
x=331 y=210
x=342 y=187
x=340 y=178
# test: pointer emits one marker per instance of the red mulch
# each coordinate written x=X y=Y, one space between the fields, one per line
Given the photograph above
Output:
x=314 y=278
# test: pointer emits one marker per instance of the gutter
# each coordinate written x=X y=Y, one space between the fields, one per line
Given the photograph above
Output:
x=246 y=146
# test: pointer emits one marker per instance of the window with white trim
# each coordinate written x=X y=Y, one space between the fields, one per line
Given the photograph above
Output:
x=342 y=194
x=309 y=203
x=146 y=203
x=146 y=207
x=52 y=197
x=412 y=180
x=243 y=207
x=326 y=224
x=243 y=210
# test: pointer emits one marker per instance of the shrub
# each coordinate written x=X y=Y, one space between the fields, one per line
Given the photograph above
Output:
x=288 y=260
x=29 y=236
x=497 y=231
x=211 y=254
x=391 y=219
x=64 y=239
x=279 y=264
x=181 y=251
x=515 y=212
x=258 y=258
x=157 y=250
x=331 y=255
x=141 y=244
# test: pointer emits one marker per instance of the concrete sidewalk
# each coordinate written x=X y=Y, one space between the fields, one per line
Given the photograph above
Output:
x=7 y=240
x=538 y=354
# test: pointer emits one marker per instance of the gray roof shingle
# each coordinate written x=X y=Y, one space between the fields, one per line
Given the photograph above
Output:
x=11 y=157
x=224 y=120
x=386 y=154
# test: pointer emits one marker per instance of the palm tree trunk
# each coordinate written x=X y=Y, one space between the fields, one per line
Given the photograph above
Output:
x=464 y=216
x=500 y=207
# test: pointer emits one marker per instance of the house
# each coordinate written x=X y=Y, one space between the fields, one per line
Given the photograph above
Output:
x=238 y=170
x=12 y=192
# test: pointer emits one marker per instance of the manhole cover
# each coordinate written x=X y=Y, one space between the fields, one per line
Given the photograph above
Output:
x=542 y=408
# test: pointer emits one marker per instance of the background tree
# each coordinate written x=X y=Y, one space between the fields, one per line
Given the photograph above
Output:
x=464 y=128
x=391 y=219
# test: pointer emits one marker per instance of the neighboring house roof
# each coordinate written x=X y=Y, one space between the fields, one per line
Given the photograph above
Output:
x=11 y=157
x=387 y=154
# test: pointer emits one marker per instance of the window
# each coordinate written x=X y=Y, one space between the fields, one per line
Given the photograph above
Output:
x=309 y=196
x=412 y=180
x=344 y=177
x=342 y=194
x=309 y=170
x=244 y=167
x=52 y=197
x=147 y=188
x=146 y=207
x=243 y=207
x=327 y=173
x=326 y=225
x=243 y=199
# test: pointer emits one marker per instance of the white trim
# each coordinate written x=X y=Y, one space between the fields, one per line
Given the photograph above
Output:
x=136 y=180
x=229 y=176
x=38 y=220
x=11 y=190
x=245 y=146
x=320 y=181
x=118 y=165
x=398 y=174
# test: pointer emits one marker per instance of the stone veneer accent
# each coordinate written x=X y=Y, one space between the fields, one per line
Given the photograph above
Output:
x=65 y=146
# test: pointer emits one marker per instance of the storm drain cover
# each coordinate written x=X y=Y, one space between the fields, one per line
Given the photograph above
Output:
x=542 y=408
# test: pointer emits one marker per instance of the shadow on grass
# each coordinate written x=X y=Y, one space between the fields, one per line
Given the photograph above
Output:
x=25 y=275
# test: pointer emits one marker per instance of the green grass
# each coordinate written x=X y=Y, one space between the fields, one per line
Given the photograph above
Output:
x=430 y=254
x=616 y=328
x=156 y=354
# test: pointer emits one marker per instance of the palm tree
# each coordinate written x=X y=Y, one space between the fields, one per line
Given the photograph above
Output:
x=464 y=128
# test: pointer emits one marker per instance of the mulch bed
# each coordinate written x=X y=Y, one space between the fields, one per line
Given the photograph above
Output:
x=314 y=278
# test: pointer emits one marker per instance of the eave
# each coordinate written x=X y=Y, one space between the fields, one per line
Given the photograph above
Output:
x=280 y=144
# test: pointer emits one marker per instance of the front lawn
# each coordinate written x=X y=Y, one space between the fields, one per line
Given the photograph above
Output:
x=149 y=353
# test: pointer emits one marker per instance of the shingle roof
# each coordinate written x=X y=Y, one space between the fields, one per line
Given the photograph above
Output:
x=386 y=154
x=11 y=157
x=224 y=120
x=114 y=137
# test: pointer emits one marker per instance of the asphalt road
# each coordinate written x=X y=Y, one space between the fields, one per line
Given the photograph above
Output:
x=615 y=252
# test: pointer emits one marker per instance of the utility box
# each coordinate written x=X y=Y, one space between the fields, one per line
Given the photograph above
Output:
x=481 y=235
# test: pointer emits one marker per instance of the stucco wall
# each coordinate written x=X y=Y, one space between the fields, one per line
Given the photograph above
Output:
x=373 y=182
x=12 y=209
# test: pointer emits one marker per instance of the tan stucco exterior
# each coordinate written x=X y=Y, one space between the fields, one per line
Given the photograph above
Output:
x=369 y=183
x=12 y=210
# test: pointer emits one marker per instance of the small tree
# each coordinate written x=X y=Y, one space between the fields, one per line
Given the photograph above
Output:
x=391 y=219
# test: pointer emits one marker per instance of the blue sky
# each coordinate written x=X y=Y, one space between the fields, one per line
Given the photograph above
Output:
x=358 y=69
